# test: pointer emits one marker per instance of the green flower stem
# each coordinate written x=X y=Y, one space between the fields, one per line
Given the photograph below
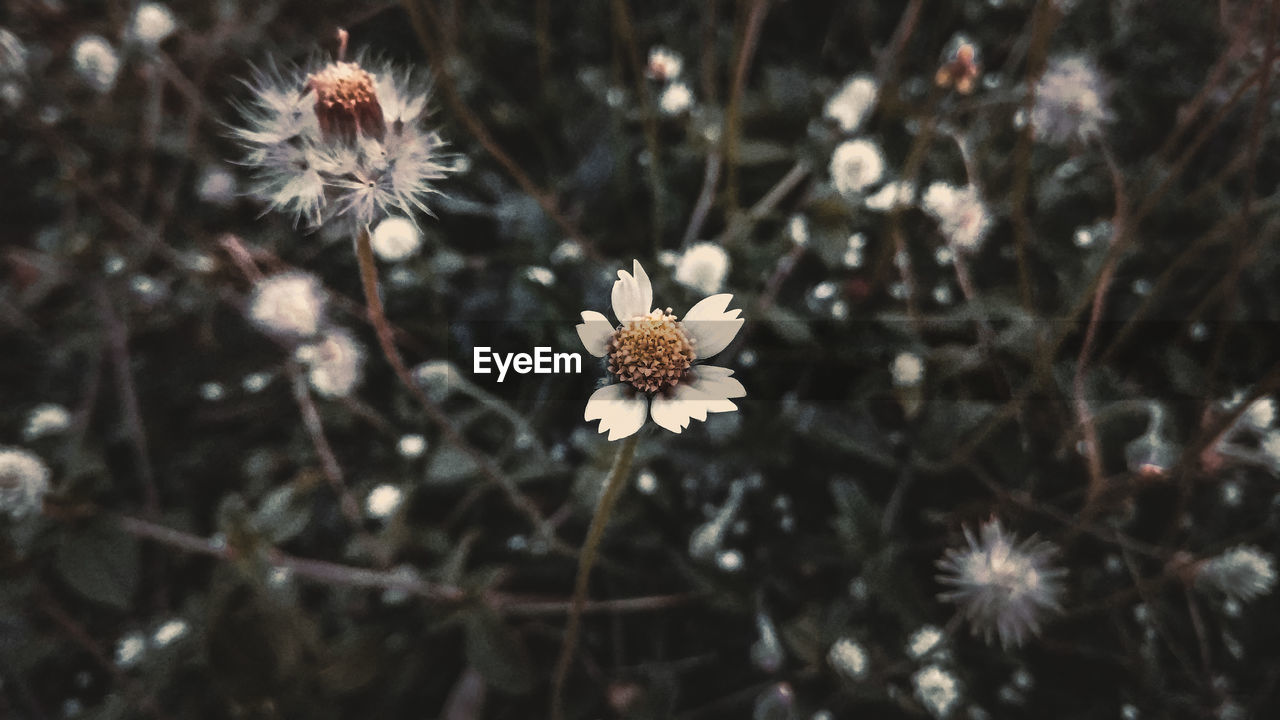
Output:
x=590 y=549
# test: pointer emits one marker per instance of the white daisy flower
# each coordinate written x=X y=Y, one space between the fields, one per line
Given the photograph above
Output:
x=339 y=140
x=856 y=165
x=962 y=216
x=24 y=481
x=1070 y=101
x=651 y=355
x=852 y=102
x=1002 y=586
x=1241 y=573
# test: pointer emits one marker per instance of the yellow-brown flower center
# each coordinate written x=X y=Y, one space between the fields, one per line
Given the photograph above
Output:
x=347 y=103
x=652 y=352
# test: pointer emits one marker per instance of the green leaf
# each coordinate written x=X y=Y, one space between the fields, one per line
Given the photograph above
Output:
x=100 y=562
x=497 y=653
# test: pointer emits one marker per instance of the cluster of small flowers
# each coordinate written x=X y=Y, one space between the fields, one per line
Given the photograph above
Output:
x=856 y=164
x=290 y=307
x=666 y=66
x=961 y=214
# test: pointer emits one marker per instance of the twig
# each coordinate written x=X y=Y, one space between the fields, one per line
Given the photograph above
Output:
x=315 y=429
x=733 y=120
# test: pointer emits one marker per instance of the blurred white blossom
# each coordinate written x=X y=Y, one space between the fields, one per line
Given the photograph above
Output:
x=703 y=266
x=396 y=238
x=96 y=62
x=848 y=658
x=46 y=419
x=856 y=165
x=382 y=501
x=936 y=689
x=907 y=370
x=24 y=481
x=962 y=217
x=288 y=306
x=152 y=23
x=665 y=64
x=676 y=99
x=334 y=363
x=896 y=194
x=852 y=103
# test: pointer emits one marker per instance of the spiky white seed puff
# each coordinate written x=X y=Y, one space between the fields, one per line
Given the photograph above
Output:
x=1003 y=586
x=338 y=140
x=1241 y=573
x=1070 y=102
x=651 y=356
x=24 y=481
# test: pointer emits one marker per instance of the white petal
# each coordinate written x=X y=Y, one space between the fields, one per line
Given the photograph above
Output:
x=619 y=414
x=711 y=326
x=632 y=294
x=595 y=331
x=674 y=412
x=717 y=383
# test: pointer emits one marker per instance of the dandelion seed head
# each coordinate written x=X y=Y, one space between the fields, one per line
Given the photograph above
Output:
x=288 y=306
x=396 y=239
x=152 y=24
x=856 y=165
x=1003 y=586
x=1242 y=573
x=936 y=689
x=1070 y=101
x=335 y=363
x=853 y=102
x=46 y=419
x=382 y=501
x=24 y=481
x=848 y=658
x=676 y=99
x=339 y=140
x=96 y=62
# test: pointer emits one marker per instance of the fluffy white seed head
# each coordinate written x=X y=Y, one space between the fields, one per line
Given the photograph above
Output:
x=338 y=140
x=152 y=23
x=1003 y=586
x=24 y=481
x=961 y=215
x=703 y=267
x=396 y=239
x=288 y=306
x=856 y=165
x=335 y=363
x=1241 y=573
x=96 y=62
x=1070 y=102
x=937 y=689
x=853 y=102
